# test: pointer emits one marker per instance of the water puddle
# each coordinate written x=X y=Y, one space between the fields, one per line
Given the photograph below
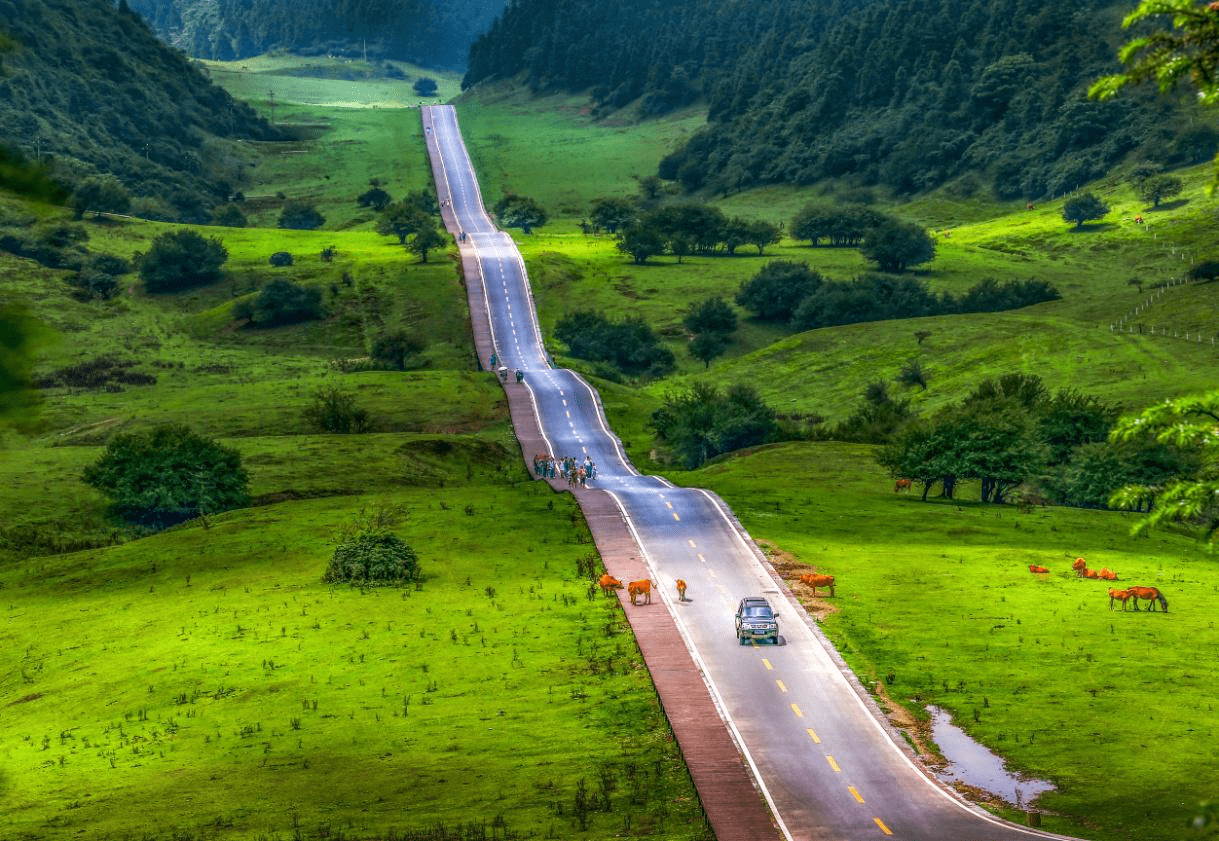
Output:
x=975 y=765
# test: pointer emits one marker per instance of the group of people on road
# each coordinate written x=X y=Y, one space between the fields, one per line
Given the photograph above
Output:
x=576 y=474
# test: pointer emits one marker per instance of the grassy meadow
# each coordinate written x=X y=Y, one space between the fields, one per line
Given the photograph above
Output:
x=203 y=682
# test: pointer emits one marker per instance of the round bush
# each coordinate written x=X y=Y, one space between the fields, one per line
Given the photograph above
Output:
x=373 y=558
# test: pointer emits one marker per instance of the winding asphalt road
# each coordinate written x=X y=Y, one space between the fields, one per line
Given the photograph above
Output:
x=820 y=750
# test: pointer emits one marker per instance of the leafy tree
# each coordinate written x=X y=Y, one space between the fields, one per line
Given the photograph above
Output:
x=426 y=239
x=1187 y=423
x=334 y=410
x=21 y=337
x=1071 y=420
x=612 y=214
x=424 y=200
x=229 y=215
x=425 y=86
x=299 y=215
x=641 y=243
x=702 y=423
x=403 y=219
x=522 y=212
x=774 y=292
x=168 y=475
x=1099 y=469
x=760 y=234
x=629 y=345
x=371 y=558
x=1083 y=208
x=707 y=346
x=395 y=350
x=913 y=373
x=282 y=302
x=376 y=198
x=181 y=260
x=105 y=194
x=711 y=316
x=895 y=245
x=877 y=419
x=1159 y=187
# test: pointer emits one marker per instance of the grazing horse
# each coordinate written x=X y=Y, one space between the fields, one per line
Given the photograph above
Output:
x=1035 y=568
x=643 y=588
x=816 y=581
x=609 y=584
x=1151 y=595
x=1107 y=574
x=681 y=590
x=1121 y=596
x=1079 y=564
x=902 y=485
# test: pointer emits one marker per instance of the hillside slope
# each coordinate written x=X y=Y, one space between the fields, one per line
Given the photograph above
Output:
x=428 y=32
x=92 y=90
x=908 y=95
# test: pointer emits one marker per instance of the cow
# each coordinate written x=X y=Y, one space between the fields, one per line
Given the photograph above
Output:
x=814 y=580
x=643 y=588
x=902 y=485
x=609 y=584
x=681 y=590
x=1035 y=568
x=1107 y=574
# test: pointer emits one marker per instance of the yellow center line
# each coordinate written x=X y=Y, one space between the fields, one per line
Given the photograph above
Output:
x=782 y=686
x=766 y=663
x=813 y=735
x=568 y=414
x=700 y=556
x=882 y=826
x=711 y=572
x=797 y=711
x=855 y=793
x=669 y=505
x=833 y=764
x=691 y=542
x=675 y=517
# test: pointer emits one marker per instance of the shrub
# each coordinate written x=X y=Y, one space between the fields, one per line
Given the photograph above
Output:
x=280 y=259
x=300 y=216
x=394 y=350
x=629 y=345
x=282 y=302
x=169 y=475
x=181 y=260
x=229 y=216
x=334 y=410
x=373 y=557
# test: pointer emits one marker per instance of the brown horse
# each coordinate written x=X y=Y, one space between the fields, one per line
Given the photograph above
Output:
x=1107 y=574
x=1121 y=596
x=681 y=590
x=902 y=485
x=816 y=581
x=643 y=588
x=1089 y=573
x=1151 y=595
x=609 y=584
x=1080 y=564
x=1035 y=568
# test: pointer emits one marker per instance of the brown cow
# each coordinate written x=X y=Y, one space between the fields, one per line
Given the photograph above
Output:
x=640 y=588
x=1107 y=574
x=902 y=485
x=1035 y=568
x=814 y=580
x=1150 y=595
x=681 y=590
x=1089 y=573
x=609 y=584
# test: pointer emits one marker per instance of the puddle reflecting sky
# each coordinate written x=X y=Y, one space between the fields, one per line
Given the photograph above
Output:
x=975 y=765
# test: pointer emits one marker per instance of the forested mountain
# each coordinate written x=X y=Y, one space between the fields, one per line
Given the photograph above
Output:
x=434 y=33
x=908 y=94
x=92 y=90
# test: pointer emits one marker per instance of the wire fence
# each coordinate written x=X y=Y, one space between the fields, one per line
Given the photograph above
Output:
x=1135 y=322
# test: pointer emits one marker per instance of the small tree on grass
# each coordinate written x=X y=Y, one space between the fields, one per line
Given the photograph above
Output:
x=373 y=557
x=181 y=260
x=100 y=195
x=394 y=350
x=169 y=475
x=1083 y=208
x=522 y=212
x=896 y=245
x=1159 y=187
x=301 y=216
x=229 y=216
x=282 y=302
x=334 y=410
x=425 y=86
x=426 y=239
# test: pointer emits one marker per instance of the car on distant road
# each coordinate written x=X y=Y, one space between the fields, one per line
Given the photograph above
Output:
x=756 y=620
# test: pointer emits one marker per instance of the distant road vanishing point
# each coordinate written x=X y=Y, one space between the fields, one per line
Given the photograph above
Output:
x=821 y=753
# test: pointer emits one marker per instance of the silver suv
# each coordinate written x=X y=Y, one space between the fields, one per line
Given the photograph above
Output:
x=755 y=620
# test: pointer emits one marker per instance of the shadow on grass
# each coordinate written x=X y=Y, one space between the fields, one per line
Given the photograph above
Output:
x=1093 y=228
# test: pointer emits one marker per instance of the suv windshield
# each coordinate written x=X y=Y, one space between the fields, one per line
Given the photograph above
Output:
x=758 y=612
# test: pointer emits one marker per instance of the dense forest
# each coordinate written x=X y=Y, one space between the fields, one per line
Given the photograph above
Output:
x=90 y=90
x=433 y=33
x=909 y=95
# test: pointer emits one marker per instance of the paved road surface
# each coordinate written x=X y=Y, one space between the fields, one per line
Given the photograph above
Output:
x=828 y=766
